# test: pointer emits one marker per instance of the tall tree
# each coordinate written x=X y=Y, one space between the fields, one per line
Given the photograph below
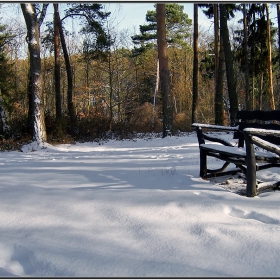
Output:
x=57 y=65
x=212 y=10
x=177 y=34
x=217 y=40
x=33 y=22
x=219 y=70
x=278 y=22
x=177 y=29
x=195 y=65
x=93 y=16
x=70 y=103
x=231 y=79
x=219 y=88
x=259 y=58
x=269 y=62
x=167 y=109
x=246 y=58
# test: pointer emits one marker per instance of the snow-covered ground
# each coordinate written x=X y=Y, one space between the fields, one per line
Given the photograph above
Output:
x=131 y=209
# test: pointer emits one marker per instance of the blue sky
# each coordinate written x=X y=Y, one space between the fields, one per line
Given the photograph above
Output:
x=129 y=15
x=133 y=14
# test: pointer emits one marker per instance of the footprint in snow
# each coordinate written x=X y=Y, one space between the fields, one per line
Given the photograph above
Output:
x=9 y=266
x=16 y=260
x=238 y=213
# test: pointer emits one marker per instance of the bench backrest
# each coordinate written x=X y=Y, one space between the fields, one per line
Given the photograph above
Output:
x=258 y=119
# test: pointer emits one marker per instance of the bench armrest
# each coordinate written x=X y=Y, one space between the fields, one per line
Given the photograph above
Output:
x=265 y=145
x=203 y=136
x=252 y=137
x=263 y=132
x=218 y=127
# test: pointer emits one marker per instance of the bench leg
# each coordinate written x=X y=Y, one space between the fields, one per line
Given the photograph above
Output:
x=251 y=188
x=203 y=164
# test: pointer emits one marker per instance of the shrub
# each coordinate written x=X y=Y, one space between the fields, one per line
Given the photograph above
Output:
x=145 y=119
x=181 y=122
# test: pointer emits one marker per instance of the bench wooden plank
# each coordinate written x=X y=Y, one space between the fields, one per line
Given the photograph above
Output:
x=216 y=127
x=231 y=151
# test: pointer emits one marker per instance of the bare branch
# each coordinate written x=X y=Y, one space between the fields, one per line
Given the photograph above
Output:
x=43 y=14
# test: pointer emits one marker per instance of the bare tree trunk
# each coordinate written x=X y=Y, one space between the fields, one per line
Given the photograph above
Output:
x=57 y=65
x=167 y=108
x=4 y=113
x=219 y=101
x=111 y=92
x=155 y=93
x=231 y=80
x=247 y=89
x=219 y=71
x=269 y=62
x=71 y=110
x=30 y=102
x=253 y=66
x=33 y=39
x=261 y=92
x=195 y=64
x=217 y=41
x=278 y=21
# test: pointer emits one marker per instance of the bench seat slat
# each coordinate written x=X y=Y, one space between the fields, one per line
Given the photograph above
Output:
x=236 y=152
x=231 y=151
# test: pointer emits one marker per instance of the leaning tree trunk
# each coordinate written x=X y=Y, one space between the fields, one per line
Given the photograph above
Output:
x=70 y=103
x=58 y=110
x=195 y=65
x=231 y=80
x=33 y=39
x=167 y=108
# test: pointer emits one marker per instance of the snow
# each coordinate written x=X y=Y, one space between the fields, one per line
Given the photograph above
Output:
x=131 y=209
x=33 y=41
x=29 y=8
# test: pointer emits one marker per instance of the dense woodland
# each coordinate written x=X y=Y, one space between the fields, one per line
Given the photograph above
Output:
x=91 y=84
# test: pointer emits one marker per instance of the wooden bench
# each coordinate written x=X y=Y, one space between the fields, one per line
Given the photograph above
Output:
x=257 y=129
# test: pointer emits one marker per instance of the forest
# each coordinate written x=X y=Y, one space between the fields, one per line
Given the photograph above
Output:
x=60 y=86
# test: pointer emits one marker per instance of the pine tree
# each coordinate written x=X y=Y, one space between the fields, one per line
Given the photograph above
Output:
x=167 y=108
x=195 y=65
x=177 y=29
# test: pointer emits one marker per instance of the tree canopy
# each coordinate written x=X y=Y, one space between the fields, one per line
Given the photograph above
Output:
x=178 y=26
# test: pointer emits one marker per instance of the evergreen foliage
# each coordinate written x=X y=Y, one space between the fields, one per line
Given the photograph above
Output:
x=178 y=27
